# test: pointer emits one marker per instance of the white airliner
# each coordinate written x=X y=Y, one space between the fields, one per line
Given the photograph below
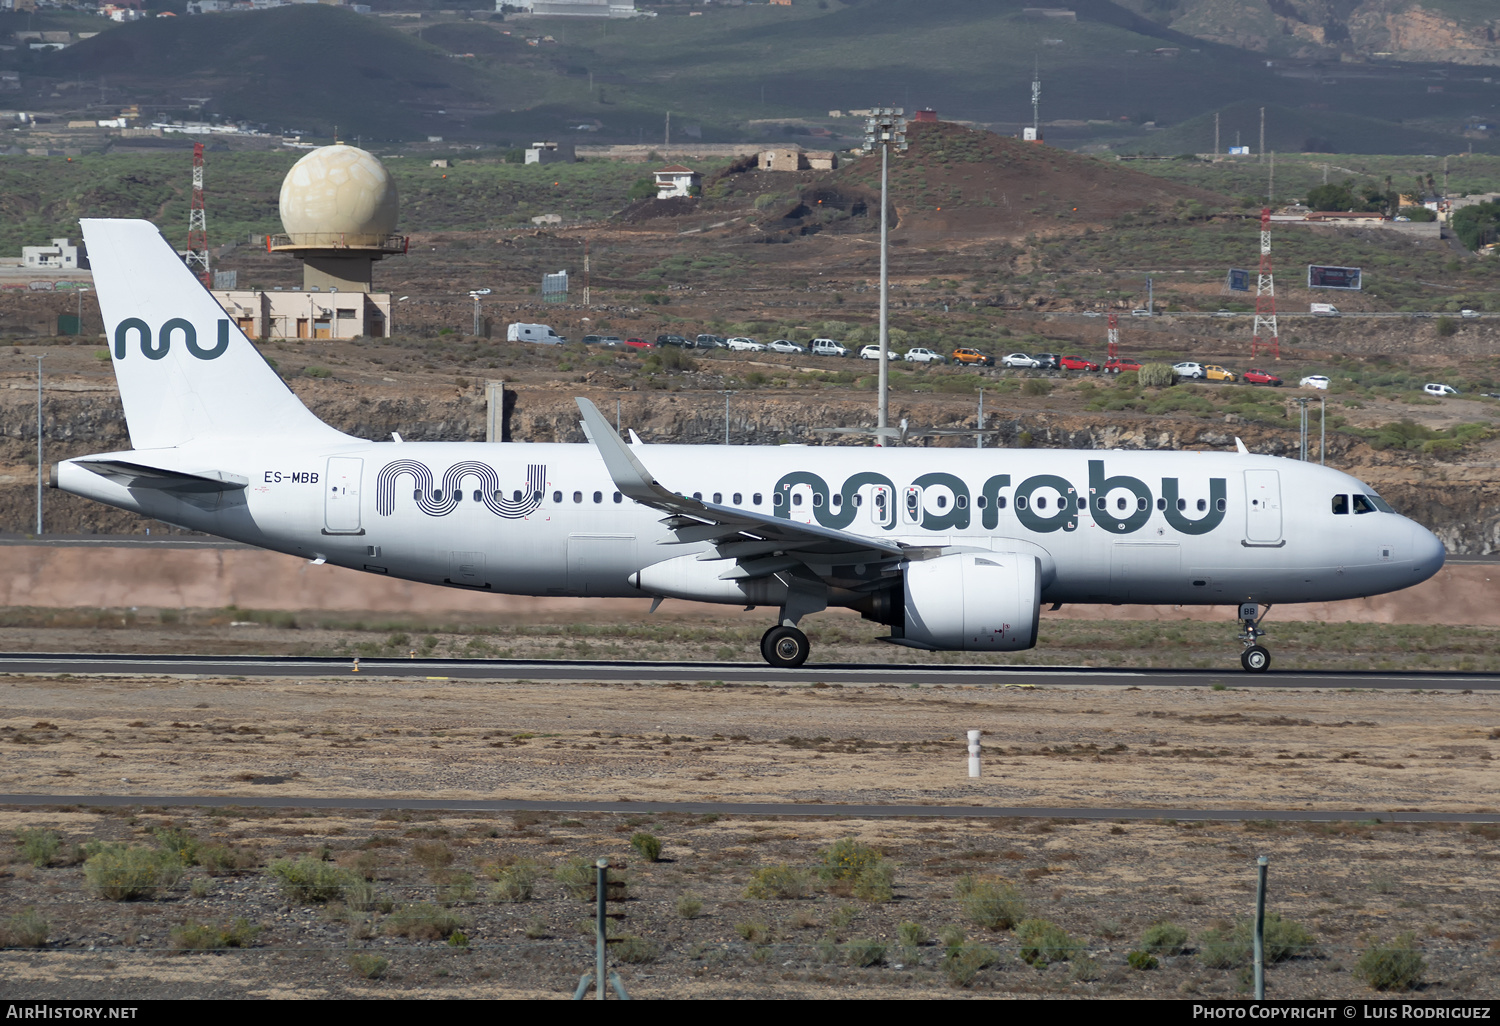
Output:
x=954 y=549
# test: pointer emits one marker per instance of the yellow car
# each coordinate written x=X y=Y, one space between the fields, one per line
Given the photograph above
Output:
x=1216 y=373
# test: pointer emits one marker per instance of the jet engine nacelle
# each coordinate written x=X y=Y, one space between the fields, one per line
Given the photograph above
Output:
x=973 y=601
x=688 y=577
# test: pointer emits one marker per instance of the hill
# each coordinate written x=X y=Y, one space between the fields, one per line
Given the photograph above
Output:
x=754 y=71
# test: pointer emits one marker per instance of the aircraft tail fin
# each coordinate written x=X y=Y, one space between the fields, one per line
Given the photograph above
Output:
x=186 y=372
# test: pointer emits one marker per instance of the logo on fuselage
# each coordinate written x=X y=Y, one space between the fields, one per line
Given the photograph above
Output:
x=439 y=502
x=1042 y=503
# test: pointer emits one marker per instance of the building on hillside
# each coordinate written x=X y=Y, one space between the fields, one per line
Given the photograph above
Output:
x=61 y=255
x=308 y=313
x=782 y=158
x=582 y=8
x=550 y=153
x=821 y=160
x=1344 y=216
x=677 y=180
x=926 y=115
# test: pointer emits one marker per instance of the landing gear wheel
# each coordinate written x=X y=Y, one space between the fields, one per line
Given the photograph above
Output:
x=784 y=647
x=1255 y=659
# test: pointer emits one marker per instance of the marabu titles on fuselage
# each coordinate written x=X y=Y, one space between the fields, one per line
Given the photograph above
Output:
x=953 y=548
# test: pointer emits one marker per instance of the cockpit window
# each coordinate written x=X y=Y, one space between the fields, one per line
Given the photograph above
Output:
x=1341 y=504
x=1362 y=504
x=1379 y=503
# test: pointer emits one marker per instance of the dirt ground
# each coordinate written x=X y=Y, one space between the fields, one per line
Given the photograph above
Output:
x=1105 y=883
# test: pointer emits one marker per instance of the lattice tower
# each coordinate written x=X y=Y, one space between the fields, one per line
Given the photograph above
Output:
x=197 y=240
x=1265 y=297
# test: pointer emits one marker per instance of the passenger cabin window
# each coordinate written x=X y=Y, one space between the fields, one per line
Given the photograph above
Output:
x=478 y=495
x=738 y=498
x=577 y=496
x=1202 y=505
x=458 y=495
x=598 y=496
x=777 y=498
x=618 y=497
x=1161 y=503
x=718 y=497
x=556 y=496
x=516 y=495
x=755 y=499
x=437 y=496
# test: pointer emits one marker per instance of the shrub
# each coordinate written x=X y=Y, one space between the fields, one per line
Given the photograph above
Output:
x=1225 y=946
x=26 y=929
x=371 y=967
x=1156 y=375
x=1446 y=327
x=863 y=951
x=912 y=934
x=1043 y=941
x=195 y=936
x=516 y=882
x=220 y=859
x=776 y=882
x=964 y=961
x=118 y=872
x=990 y=902
x=1394 y=966
x=689 y=907
x=362 y=896
x=634 y=950
x=1165 y=939
x=38 y=846
x=309 y=881
x=1084 y=970
x=1036 y=386
x=852 y=867
x=178 y=841
x=432 y=856
x=648 y=845
x=577 y=877
x=754 y=931
x=1142 y=960
x=422 y=921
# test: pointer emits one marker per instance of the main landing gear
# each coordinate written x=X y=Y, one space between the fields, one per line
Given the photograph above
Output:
x=1256 y=658
x=784 y=647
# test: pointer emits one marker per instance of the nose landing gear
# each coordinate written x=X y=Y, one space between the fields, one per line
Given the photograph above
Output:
x=1256 y=658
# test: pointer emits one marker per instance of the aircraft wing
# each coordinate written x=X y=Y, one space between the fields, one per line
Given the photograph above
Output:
x=137 y=475
x=759 y=543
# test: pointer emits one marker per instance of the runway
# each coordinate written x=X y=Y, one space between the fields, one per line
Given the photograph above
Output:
x=867 y=674
x=818 y=810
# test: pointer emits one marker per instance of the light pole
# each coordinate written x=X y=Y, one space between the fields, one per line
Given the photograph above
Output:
x=884 y=127
x=39 y=463
x=727 y=394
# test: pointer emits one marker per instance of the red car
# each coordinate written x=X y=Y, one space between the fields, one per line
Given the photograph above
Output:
x=639 y=343
x=1260 y=377
x=1118 y=365
x=1076 y=363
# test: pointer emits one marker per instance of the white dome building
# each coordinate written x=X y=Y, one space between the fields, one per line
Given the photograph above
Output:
x=339 y=209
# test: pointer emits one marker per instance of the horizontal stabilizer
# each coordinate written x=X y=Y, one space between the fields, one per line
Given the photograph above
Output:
x=136 y=475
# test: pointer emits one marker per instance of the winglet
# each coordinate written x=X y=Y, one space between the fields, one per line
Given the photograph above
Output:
x=627 y=472
x=1239 y=446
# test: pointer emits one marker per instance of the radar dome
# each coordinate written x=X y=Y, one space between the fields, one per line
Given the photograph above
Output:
x=340 y=196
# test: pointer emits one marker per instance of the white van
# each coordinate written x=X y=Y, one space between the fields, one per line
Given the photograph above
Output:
x=542 y=333
x=828 y=347
x=1323 y=310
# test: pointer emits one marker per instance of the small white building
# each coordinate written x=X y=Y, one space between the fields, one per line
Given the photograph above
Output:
x=582 y=8
x=677 y=180
x=61 y=255
x=306 y=314
x=550 y=153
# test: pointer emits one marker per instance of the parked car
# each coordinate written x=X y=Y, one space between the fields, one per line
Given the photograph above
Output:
x=611 y=340
x=1140 y=311
x=918 y=354
x=1323 y=310
x=1314 y=381
x=873 y=353
x=638 y=343
x=710 y=342
x=740 y=344
x=1077 y=363
x=593 y=340
x=1021 y=360
x=673 y=340
x=782 y=345
x=1256 y=376
x=1216 y=373
x=828 y=347
x=1433 y=388
x=1049 y=361
x=1468 y=314
x=1188 y=369
x=1225 y=313
x=1119 y=365
x=973 y=356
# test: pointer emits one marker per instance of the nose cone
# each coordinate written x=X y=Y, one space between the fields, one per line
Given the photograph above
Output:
x=1427 y=554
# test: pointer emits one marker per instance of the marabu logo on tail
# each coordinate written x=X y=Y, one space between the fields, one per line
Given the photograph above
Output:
x=177 y=329
x=1042 y=503
x=439 y=502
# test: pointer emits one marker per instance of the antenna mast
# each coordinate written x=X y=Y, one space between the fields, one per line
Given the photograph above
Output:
x=1114 y=336
x=1265 y=297
x=197 y=239
x=1036 y=101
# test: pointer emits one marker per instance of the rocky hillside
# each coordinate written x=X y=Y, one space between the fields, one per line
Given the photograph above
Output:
x=1429 y=31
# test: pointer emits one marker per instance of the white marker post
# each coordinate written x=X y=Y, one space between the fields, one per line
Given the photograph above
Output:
x=974 y=753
